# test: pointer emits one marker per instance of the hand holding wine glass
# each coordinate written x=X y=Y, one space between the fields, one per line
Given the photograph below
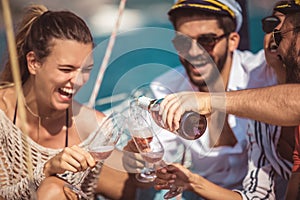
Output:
x=175 y=177
x=151 y=149
x=147 y=144
x=101 y=143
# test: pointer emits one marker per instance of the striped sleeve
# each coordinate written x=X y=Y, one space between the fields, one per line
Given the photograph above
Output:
x=263 y=163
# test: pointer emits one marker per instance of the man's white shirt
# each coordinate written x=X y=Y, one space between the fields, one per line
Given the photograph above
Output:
x=225 y=165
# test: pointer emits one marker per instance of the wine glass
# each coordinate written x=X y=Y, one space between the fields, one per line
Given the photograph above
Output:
x=151 y=149
x=147 y=144
x=101 y=143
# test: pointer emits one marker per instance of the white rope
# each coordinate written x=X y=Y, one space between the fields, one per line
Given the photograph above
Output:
x=106 y=56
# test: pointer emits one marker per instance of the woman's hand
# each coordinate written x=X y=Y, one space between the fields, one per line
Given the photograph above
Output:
x=131 y=147
x=132 y=160
x=72 y=159
x=175 y=174
x=181 y=177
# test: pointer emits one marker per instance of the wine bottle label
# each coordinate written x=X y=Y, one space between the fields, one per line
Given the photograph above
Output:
x=192 y=125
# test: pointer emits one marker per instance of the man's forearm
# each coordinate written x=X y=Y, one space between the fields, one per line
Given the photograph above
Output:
x=275 y=105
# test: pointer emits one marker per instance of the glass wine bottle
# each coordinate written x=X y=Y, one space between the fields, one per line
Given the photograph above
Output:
x=192 y=125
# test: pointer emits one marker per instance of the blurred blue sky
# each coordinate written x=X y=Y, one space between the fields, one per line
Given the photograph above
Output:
x=101 y=15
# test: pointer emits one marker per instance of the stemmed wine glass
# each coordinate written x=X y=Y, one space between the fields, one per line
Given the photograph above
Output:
x=150 y=148
x=101 y=143
x=147 y=144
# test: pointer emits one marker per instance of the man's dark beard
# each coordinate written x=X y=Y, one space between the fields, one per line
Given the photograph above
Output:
x=292 y=67
x=215 y=72
x=220 y=66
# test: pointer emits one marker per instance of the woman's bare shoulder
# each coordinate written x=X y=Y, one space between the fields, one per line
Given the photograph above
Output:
x=6 y=87
x=7 y=98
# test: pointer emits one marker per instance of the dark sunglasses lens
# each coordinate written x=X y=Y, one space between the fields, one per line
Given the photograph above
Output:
x=182 y=43
x=206 y=41
x=270 y=23
x=277 y=37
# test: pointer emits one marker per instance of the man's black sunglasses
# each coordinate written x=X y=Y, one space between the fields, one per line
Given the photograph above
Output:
x=269 y=23
x=183 y=43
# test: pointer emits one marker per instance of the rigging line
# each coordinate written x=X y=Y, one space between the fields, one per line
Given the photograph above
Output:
x=17 y=80
x=106 y=56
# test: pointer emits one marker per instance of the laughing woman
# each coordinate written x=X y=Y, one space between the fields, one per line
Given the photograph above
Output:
x=52 y=48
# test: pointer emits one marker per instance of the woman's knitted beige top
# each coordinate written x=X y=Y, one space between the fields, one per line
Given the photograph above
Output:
x=15 y=182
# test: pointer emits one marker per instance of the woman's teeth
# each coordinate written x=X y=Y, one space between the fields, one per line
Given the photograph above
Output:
x=67 y=91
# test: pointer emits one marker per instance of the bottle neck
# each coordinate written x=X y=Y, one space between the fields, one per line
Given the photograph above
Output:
x=154 y=105
x=148 y=103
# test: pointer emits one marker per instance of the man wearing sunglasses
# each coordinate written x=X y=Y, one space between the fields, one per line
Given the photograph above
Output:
x=213 y=26
x=268 y=106
x=288 y=40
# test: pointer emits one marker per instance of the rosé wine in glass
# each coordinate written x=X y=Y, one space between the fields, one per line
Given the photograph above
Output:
x=101 y=152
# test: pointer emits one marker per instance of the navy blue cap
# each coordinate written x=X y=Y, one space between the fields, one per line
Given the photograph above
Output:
x=291 y=7
x=223 y=7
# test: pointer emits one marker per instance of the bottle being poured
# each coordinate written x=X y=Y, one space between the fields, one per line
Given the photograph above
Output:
x=192 y=125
